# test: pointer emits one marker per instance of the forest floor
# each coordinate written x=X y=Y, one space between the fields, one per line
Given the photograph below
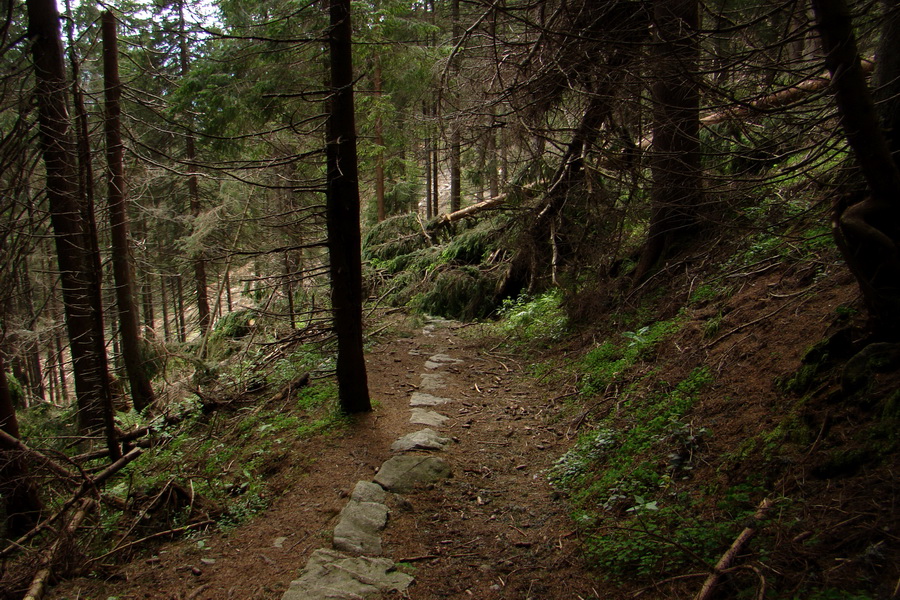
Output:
x=493 y=530
x=498 y=530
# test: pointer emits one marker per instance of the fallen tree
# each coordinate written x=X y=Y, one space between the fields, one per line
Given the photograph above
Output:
x=743 y=110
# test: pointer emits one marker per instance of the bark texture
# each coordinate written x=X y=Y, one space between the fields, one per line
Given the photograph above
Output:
x=675 y=153
x=84 y=315
x=129 y=326
x=867 y=231
x=344 y=243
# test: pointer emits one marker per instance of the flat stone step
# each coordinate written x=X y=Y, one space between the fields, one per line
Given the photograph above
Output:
x=439 y=360
x=420 y=416
x=423 y=399
x=359 y=529
x=425 y=439
x=334 y=576
x=366 y=491
x=404 y=472
x=432 y=381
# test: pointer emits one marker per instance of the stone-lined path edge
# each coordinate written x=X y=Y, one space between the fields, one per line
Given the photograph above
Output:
x=354 y=566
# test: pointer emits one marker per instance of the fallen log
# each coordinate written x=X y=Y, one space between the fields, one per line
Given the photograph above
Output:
x=290 y=387
x=36 y=590
x=8 y=442
x=84 y=488
x=779 y=99
x=469 y=211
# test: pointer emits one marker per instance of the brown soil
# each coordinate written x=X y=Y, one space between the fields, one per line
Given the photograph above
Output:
x=493 y=530
x=496 y=529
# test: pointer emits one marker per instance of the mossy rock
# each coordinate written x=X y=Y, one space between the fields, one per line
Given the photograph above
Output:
x=874 y=358
x=16 y=391
x=821 y=358
x=459 y=293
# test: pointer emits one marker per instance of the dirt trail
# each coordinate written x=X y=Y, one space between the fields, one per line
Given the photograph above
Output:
x=490 y=531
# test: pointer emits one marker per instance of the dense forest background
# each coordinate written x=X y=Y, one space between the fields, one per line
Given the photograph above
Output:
x=181 y=225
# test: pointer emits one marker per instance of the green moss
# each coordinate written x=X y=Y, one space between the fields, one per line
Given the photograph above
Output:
x=458 y=293
x=16 y=391
x=607 y=363
x=394 y=237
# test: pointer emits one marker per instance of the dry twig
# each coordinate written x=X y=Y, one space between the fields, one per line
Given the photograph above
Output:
x=36 y=591
x=725 y=562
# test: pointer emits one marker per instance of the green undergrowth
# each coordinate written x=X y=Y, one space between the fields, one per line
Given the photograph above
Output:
x=219 y=455
x=606 y=364
x=228 y=459
x=451 y=275
x=534 y=320
x=625 y=478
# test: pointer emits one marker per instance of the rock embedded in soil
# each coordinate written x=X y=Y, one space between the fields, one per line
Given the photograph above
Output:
x=425 y=439
x=444 y=358
x=332 y=575
x=403 y=473
x=439 y=360
x=433 y=381
x=422 y=399
x=359 y=529
x=366 y=491
x=420 y=416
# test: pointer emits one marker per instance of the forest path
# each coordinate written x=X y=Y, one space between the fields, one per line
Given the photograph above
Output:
x=492 y=530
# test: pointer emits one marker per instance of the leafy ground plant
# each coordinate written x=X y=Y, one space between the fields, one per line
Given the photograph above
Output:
x=623 y=477
x=534 y=319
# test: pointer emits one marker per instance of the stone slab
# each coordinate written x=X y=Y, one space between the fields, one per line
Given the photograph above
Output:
x=335 y=576
x=432 y=381
x=404 y=472
x=423 y=399
x=420 y=416
x=444 y=358
x=359 y=528
x=366 y=491
x=425 y=439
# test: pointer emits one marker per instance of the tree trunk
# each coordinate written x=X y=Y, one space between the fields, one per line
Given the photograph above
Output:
x=455 y=145
x=86 y=175
x=455 y=172
x=164 y=306
x=435 y=174
x=178 y=298
x=83 y=315
x=203 y=313
x=145 y=279
x=379 y=142
x=288 y=274
x=59 y=361
x=867 y=232
x=23 y=506
x=675 y=154
x=129 y=327
x=343 y=217
x=428 y=202
x=228 y=300
x=491 y=165
x=887 y=75
x=147 y=302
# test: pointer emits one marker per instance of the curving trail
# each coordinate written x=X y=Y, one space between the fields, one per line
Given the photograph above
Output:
x=467 y=513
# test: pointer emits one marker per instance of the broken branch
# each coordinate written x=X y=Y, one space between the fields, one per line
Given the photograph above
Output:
x=725 y=562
